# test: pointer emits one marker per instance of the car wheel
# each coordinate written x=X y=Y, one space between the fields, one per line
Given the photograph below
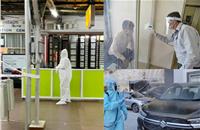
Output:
x=135 y=108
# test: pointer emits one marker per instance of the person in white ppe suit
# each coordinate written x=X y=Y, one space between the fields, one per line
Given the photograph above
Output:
x=185 y=40
x=65 y=75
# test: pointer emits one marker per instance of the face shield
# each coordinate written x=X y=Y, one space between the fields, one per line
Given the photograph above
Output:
x=169 y=22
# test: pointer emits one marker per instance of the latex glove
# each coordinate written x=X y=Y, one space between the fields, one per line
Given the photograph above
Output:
x=121 y=101
x=56 y=69
x=150 y=28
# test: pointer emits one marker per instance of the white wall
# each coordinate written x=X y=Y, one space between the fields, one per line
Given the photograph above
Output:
x=123 y=76
x=180 y=76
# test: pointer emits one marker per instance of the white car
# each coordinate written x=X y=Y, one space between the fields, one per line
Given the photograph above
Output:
x=135 y=100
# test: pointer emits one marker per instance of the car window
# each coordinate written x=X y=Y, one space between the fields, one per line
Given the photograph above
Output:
x=177 y=92
x=182 y=93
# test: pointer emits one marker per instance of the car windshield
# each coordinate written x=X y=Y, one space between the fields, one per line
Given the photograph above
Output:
x=137 y=95
x=191 y=93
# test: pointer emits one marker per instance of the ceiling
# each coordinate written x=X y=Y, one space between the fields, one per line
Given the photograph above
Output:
x=64 y=7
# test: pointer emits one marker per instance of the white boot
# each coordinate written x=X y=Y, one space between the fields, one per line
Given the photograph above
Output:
x=61 y=102
x=68 y=100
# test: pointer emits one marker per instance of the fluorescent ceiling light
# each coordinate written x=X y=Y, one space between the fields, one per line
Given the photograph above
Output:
x=54 y=12
x=50 y=4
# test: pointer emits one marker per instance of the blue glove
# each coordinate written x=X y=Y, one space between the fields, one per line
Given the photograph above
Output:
x=121 y=101
x=125 y=116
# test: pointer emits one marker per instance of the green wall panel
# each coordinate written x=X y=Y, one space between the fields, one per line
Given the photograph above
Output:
x=74 y=86
x=93 y=83
x=45 y=82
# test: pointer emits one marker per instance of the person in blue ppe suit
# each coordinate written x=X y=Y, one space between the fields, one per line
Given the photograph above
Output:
x=115 y=112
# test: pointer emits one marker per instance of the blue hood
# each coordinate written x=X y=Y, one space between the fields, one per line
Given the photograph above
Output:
x=110 y=84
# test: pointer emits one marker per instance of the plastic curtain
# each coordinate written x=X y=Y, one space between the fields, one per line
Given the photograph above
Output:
x=107 y=33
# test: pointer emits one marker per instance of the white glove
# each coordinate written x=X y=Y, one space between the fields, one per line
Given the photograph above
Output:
x=149 y=28
x=56 y=69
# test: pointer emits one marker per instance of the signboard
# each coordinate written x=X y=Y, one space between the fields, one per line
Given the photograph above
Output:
x=3 y=50
x=90 y=16
x=16 y=61
x=12 y=24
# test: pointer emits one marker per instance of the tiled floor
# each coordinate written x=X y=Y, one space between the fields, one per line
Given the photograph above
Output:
x=74 y=116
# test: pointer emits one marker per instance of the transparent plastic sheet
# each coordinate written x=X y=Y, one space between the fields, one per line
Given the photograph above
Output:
x=119 y=34
x=107 y=32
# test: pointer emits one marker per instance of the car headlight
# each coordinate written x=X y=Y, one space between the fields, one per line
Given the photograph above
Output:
x=195 y=123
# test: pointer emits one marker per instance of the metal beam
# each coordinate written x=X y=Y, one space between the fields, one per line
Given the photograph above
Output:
x=57 y=3
x=28 y=65
x=37 y=37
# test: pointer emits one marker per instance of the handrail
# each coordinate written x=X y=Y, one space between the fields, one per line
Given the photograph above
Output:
x=19 y=76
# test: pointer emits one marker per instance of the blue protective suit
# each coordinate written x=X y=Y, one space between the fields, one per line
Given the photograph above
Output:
x=115 y=112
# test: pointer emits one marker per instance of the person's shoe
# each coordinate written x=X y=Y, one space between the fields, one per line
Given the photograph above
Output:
x=68 y=101
x=61 y=103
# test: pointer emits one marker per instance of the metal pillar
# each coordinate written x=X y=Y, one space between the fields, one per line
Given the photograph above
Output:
x=28 y=65
x=37 y=123
x=137 y=32
x=37 y=37
x=37 y=90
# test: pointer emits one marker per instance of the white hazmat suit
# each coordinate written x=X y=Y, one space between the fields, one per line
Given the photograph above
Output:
x=65 y=75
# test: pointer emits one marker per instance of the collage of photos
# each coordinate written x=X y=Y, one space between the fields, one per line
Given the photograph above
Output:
x=99 y=64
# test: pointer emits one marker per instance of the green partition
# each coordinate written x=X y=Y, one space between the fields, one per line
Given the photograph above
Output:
x=93 y=83
x=74 y=86
x=45 y=83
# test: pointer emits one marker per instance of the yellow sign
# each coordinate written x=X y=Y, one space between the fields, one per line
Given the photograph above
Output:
x=3 y=50
x=89 y=17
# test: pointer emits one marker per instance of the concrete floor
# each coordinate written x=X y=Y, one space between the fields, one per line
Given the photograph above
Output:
x=131 y=122
x=74 y=116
